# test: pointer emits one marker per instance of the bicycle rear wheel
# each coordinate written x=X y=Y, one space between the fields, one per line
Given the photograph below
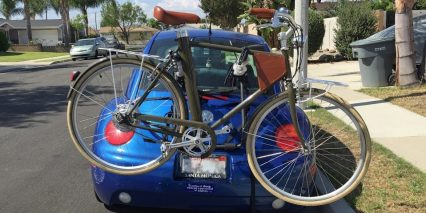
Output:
x=337 y=156
x=118 y=145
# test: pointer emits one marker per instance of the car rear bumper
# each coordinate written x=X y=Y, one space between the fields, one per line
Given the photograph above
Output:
x=162 y=189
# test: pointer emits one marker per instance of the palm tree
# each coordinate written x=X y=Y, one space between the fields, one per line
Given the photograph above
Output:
x=27 y=12
x=404 y=41
x=62 y=7
x=83 y=5
x=38 y=7
x=8 y=8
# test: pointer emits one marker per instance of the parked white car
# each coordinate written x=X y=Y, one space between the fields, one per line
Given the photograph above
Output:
x=88 y=48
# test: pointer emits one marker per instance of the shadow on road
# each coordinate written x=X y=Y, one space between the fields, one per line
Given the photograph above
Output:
x=80 y=65
x=21 y=108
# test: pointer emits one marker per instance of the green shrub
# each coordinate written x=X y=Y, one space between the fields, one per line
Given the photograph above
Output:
x=420 y=5
x=387 y=5
x=4 y=42
x=355 y=21
x=316 y=31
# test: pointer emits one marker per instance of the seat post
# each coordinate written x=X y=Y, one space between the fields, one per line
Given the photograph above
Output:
x=189 y=75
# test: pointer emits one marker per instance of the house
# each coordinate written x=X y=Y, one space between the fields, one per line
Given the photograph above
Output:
x=138 y=35
x=45 y=32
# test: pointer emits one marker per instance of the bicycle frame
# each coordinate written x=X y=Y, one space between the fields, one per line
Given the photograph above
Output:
x=192 y=92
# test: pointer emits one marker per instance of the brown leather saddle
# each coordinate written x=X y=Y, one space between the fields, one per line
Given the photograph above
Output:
x=175 y=18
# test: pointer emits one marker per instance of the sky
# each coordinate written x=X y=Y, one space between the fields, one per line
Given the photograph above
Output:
x=147 y=5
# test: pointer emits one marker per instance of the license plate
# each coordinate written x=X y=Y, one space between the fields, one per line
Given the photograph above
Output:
x=213 y=167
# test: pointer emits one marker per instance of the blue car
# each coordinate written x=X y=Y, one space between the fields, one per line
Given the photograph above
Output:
x=177 y=184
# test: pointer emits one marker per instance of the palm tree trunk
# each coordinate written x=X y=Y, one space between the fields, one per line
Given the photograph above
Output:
x=28 y=19
x=64 y=9
x=86 y=21
x=404 y=41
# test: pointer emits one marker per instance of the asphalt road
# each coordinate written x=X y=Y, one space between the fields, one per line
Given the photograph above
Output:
x=40 y=170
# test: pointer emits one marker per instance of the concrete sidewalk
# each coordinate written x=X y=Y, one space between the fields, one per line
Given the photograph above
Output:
x=400 y=130
x=38 y=62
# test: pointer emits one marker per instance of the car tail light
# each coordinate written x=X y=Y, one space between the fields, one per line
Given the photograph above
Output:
x=286 y=138
x=74 y=75
x=115 y=136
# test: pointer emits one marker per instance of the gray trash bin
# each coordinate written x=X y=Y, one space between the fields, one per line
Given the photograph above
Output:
x=376 y=58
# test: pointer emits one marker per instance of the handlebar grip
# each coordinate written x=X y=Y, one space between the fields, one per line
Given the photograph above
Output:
x=262 y=13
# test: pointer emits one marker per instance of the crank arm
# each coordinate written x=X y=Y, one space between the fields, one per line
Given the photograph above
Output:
x=180 y=144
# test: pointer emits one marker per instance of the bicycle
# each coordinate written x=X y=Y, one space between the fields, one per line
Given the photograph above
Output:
x=304 y=145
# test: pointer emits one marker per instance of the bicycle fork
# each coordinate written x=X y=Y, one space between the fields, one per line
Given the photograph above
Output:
x=293 y=106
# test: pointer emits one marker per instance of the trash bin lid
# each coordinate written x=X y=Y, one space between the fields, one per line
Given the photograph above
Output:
x=419 y=26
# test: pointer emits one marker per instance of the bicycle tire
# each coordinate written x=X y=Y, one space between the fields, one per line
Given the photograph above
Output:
x=286 y=160
x=93 y=87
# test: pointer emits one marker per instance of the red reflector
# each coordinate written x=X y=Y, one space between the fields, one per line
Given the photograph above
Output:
x=74 y=75
x=115 y=136
x=286 y=138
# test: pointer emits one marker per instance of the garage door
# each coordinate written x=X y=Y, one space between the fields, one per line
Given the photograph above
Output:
x=46 y=37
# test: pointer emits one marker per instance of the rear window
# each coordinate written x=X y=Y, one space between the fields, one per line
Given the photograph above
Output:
x=211 y=65
x=85 y=42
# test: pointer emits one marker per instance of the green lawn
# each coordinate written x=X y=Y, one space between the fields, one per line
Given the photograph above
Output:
x=412 y=98
x=25 y=56
x=390 y=185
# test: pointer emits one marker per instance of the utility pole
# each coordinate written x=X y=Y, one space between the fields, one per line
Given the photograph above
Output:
x=301 y=18
x=96 y=24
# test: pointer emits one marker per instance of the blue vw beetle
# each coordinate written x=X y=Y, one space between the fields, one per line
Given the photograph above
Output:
x=220 y=182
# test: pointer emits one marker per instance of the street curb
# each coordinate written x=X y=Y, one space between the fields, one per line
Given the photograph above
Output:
x=61 y=61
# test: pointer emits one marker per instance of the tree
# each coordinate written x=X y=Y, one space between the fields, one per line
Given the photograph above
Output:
x=387 y=5
x=65 y=13
x=223 y=12
x=355 y=21
x=154 y=24
x=62 y=7
x=4 y=42
x=83 y=5
x=420 y=5
x=404 y=42
x=9 y=8
x=78 y=22
x=27 y=12
x=125 y=16
x=38 y=7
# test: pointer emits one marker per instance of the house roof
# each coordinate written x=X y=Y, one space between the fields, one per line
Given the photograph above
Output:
x=35 y=24
x=93 y=31
x=133 y=29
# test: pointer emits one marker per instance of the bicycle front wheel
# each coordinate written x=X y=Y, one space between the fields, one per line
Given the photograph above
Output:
x=336 y=157
x=114 y=143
